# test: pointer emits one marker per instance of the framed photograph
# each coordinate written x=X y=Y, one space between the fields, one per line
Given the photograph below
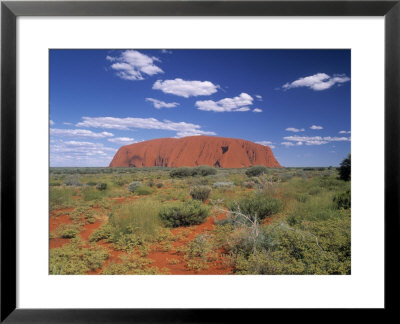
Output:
x=163 y=158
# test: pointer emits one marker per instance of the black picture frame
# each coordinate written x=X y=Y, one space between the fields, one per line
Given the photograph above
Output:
x=10 y=10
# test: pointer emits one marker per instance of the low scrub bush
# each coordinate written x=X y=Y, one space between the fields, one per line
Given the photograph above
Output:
x=204 y=170
x=72 y=180
x=343 y=200
x=103 y=233
x=222 y=184
x=256 y=205
x=181 y=172
x=74 y=258
x=159 y=185
x=68 y=230
x=143 y=191
x=248 y=184
x=200 y=193
x=101 y=186
x=191 y=212
x=255 y=171
x=134 y=185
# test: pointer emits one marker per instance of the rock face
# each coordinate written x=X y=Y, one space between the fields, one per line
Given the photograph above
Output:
x=194 y=150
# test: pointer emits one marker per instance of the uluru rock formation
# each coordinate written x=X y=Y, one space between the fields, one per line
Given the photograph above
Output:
x=195 y=150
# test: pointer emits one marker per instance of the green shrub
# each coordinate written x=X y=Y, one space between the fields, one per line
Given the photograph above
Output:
x=181 y=172
x=105 y=232
x=101 y=186
x=143 y=190
x=61 y=197
x=191 y=212
x=91 y=183
x=256 y=205
x=343 y=200
x=204 y=170
x=68 y=230
x=255 y=171
x=200 y=193
x=134 y=185
x=72 y=180
x=159 y=185
x=75 y=258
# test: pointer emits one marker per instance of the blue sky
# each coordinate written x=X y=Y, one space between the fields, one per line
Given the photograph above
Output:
x=295 y=101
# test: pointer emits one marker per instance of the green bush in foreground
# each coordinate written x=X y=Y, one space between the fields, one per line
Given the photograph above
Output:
x=181 y=172
x=200 y=193
x=191 y=212
x=134 y=185
x=343 y=200
x=101 y=186
x=255 y=171
x=256 y=205
x=202 y=170
x=74 y=258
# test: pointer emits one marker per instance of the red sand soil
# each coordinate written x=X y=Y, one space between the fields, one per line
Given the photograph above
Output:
x=194 y=150
x=162 y=259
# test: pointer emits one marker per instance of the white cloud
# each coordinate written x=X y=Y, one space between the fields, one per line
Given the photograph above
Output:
x=78 y=133
x=266 y=143
x=132 y=65
x=164 y=51
x=344 y=132
x=76 y=153
x=257 y=110
x=51 y=122
x=185 y=88
x=181 y=128
x=239 y=103
x=161 y=104
x=315 y=127
x=295 y=130
x=315 y=140
x=287 y=144
x=259 y=98
x=317 y=82
x=122 y=140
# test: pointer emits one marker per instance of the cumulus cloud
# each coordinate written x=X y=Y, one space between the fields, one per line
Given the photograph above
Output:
x=77 y=153
x=295 y=130
x=258 y=97
x=51 y=122
x=181 y=128
x=315 y=140
x=317 y=82
x=133 y=65
x=78 y=133
x=161 y=104
x=287 y=144
x=315 y=127
x=185 y=88
x=344 y=132
x=164 y=51
x=239 y=103
x=266 y=143
x=257 y=110
x=122 y=140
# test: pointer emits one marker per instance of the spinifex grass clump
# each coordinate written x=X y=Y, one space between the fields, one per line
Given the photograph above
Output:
x=61 y=197
x=191 y=212
x=139 y=218
x=257 y=205
x=200 y=193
